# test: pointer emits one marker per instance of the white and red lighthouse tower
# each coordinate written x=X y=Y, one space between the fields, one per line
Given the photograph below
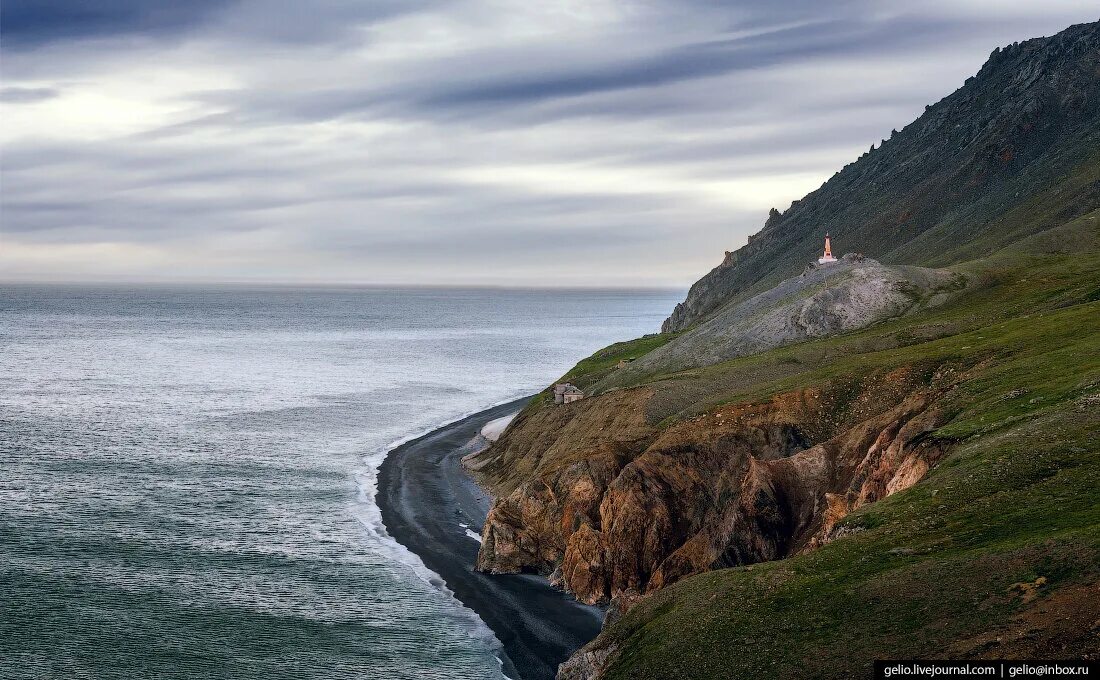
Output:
x=827 y=257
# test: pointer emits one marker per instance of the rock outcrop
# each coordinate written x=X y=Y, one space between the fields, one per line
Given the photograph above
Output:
x=745 y=483
x=587 y=663
x=851 y=293
x=932 y=194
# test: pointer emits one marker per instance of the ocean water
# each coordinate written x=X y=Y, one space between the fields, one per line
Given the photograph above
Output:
x=187 y=475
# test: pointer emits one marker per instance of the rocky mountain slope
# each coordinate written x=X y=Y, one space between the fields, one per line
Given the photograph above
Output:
x=803 y=479
x=931 y=482
x=823 y=300
x=969 y=528
x=936 y=192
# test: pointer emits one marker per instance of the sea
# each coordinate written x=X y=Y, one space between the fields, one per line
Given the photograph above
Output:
x=188 y=474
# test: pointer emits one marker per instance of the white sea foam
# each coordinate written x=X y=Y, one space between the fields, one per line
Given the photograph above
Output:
x=369 y=515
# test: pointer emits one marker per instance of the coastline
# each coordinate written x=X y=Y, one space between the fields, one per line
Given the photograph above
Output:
x=431 y=506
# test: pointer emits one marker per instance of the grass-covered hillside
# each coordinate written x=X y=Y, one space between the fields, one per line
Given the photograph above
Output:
x=605 y=362
x=837 y=486
x=994 y=553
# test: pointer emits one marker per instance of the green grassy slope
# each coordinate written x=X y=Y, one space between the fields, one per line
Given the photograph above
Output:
x=932 y=571
x=1053 y=222
x=996 y=552
x=602 y=363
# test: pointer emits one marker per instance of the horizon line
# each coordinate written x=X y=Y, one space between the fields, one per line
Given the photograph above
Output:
x=334 y=284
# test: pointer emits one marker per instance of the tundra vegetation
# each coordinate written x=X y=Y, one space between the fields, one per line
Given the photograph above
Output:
x=793 y=481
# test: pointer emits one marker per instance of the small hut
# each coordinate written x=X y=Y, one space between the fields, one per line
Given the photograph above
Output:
x=565 y=393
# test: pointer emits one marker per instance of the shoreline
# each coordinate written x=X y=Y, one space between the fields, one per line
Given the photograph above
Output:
x=432 y=507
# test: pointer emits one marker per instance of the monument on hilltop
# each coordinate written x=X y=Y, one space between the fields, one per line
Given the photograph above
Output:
x=827 y=256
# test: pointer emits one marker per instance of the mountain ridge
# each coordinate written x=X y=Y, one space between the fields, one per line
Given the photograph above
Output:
x=931 y=193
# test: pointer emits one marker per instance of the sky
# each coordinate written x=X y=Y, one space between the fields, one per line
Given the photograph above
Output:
x=439 y=142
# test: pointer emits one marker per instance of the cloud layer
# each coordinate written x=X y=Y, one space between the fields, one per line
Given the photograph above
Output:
x=498 y=142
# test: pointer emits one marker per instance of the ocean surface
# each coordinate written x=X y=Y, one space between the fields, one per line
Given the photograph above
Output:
x=187 y=475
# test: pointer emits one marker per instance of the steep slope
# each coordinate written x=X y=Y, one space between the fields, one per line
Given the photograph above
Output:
x=944 y=499
x=804 y=480
x=937 y=191
x=755 y=459
x=994 y=556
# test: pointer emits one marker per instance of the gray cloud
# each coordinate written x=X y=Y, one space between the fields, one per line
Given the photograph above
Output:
x=436 y=142
x=472 y=85
x=26 y=95
x=33 y=23
x=812 y=40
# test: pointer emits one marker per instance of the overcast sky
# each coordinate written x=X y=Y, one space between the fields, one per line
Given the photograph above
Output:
x=613 y=142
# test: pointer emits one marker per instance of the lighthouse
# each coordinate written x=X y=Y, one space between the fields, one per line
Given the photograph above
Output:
x=827 y=257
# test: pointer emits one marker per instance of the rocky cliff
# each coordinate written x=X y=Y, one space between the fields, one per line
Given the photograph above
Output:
x=630 y=507
x=934 y=192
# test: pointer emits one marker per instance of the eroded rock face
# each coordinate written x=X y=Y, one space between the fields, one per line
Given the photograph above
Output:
x=587 y=663
x=550 y=472
x=743 y=484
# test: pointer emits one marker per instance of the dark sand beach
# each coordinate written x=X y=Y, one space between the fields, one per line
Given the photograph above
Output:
x=426 y=497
